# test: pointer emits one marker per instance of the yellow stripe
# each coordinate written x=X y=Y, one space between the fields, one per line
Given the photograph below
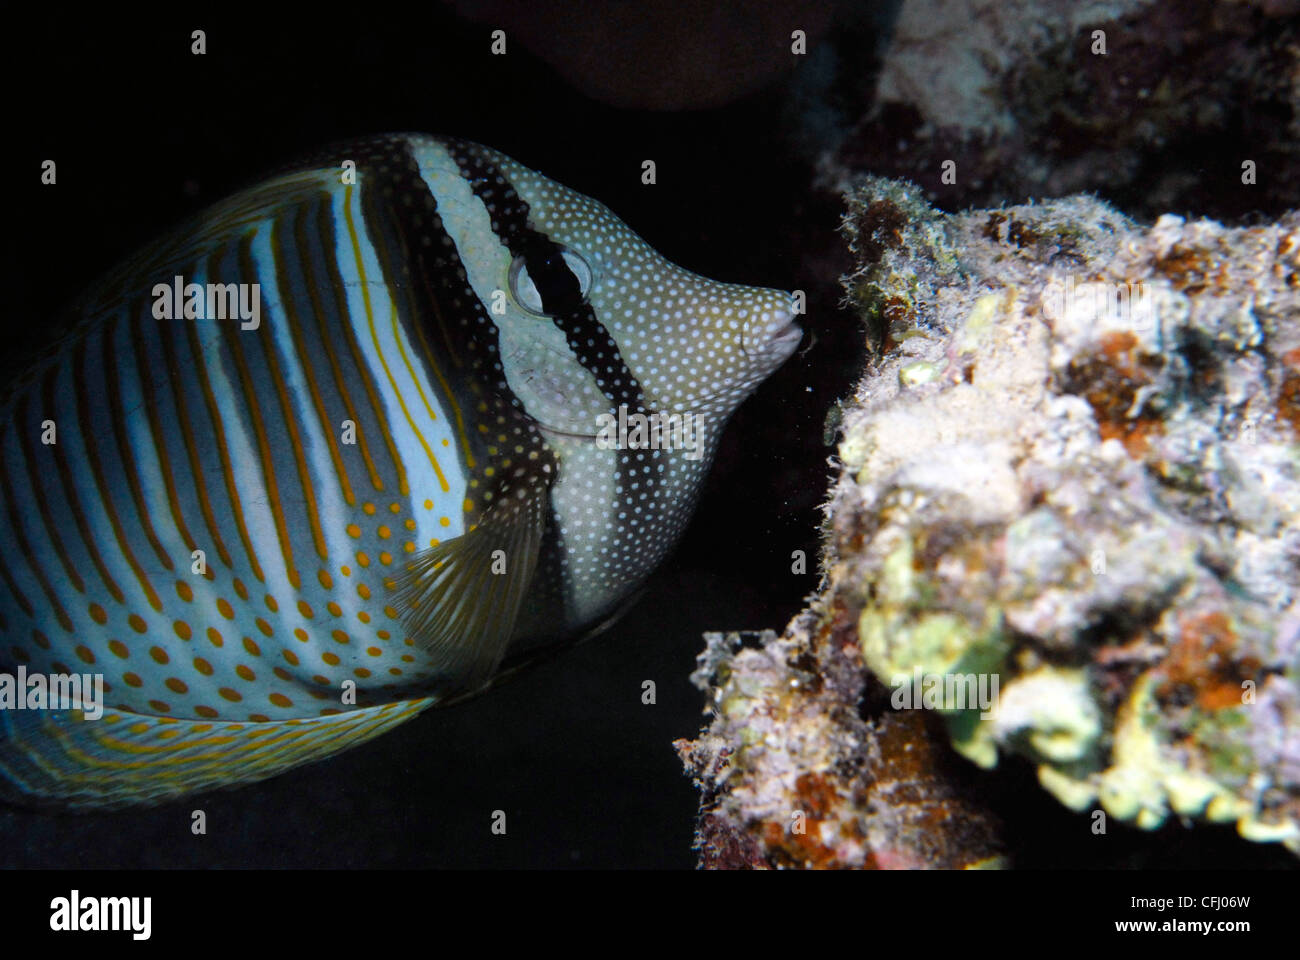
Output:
x=402 y=485
x=92 y=456
x=442 y=380
x=118 y=420
x=155 y=431
x=166 y=333
x=70 y=492
x=354 y=345
x=326 y=341
x=282 y=392
x=232 y=334
x=25 y=547
x=210 y=401
x=17 y=594
x=38 y=488
x=397 y=336
x=295 y=331
x=374 y=336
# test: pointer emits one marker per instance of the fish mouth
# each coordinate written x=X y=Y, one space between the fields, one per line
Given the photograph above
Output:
x=782 y=343
x=779 y=343
x=790 y=335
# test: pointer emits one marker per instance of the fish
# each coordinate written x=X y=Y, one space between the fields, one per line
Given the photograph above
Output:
x=358 y=440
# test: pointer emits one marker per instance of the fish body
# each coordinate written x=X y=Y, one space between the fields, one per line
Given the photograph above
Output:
x=336 y=451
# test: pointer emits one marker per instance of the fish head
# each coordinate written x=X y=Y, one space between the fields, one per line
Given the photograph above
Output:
x=654 y=333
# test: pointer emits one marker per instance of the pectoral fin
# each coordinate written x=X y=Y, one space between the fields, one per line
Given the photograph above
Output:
x=461 y=599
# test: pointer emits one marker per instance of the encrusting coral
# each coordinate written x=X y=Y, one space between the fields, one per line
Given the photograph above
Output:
x=1071 y=473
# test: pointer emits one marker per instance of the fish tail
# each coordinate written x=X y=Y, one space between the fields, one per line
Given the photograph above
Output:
x=60 y=758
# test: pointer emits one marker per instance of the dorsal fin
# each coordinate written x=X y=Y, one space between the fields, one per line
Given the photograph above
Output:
x=162 y=259
x=207 y=230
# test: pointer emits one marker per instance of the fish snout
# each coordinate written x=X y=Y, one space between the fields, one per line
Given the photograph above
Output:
x=771 y=330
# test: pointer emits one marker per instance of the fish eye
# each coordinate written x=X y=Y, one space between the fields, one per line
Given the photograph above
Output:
x=555 y=271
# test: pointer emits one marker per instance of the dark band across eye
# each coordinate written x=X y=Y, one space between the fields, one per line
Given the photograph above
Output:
x=547 y=279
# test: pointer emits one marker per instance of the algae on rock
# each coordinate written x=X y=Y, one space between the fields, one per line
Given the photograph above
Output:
x=1102 y=479
x=1073 y=464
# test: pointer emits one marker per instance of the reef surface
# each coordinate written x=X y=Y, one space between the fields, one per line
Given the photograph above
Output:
x=1063 y=526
